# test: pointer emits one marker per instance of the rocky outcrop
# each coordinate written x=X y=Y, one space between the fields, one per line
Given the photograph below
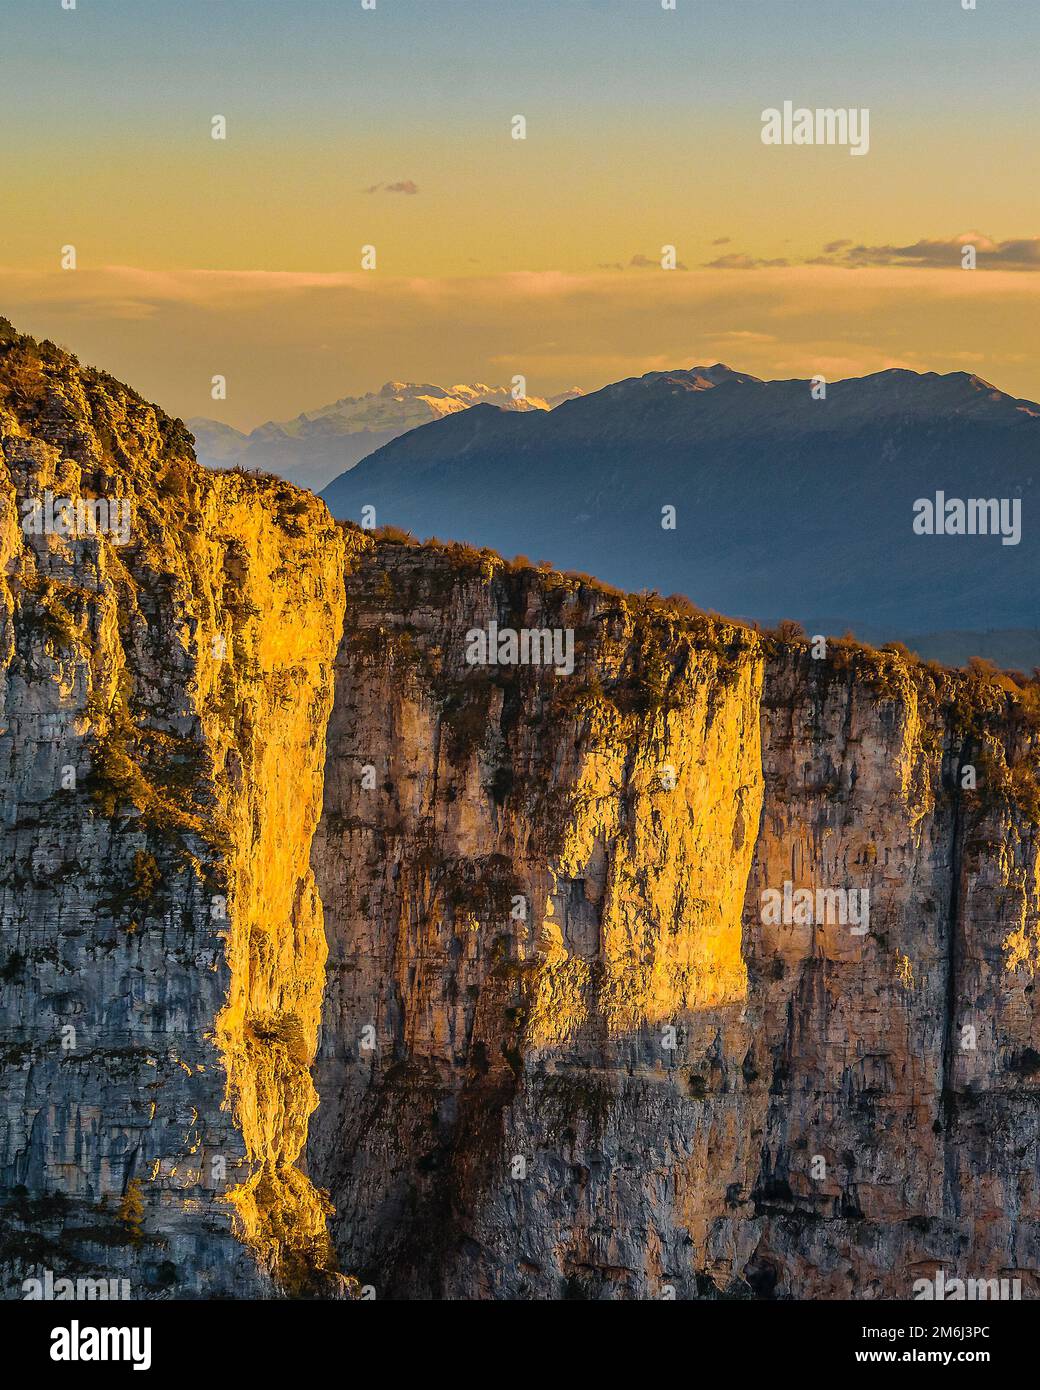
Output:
x=333 y=953
x=640 y=1085
x=165 y=682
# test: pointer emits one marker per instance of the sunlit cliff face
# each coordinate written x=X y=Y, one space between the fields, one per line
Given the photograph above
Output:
x=165 y=698
x=663 y=867
x=328 y=955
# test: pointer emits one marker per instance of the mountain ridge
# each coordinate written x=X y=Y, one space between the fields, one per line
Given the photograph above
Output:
x=783 y=502
x=317 y=444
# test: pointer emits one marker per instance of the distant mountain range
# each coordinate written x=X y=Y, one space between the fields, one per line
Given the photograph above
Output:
x=786 y=506
x=320 y=444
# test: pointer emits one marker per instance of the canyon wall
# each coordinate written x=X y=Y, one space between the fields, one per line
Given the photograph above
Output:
x=335 y=963
x=164 y=693
x=564 y=1056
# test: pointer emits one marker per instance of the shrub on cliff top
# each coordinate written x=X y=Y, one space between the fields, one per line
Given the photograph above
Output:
x=589 y=581
x=460 y=555
x=985 y=672
x=395 y=534
x=788 y=631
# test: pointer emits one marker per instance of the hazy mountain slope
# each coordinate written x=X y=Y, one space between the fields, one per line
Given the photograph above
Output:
x=319 y=444
x=785 y=505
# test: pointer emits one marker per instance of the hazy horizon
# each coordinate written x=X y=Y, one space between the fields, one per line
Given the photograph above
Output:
x=392 y=128
x=732 y=365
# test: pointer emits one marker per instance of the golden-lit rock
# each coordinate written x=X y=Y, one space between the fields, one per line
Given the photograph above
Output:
x=165 y=690
x=326 y=950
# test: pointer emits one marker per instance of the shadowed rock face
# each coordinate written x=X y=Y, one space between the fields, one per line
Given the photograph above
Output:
x=323 y=949
x=826 y=1124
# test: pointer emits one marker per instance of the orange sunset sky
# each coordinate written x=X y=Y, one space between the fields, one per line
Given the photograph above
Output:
x=391 y=127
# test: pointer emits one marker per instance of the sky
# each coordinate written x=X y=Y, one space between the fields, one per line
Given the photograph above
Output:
x=391 y=127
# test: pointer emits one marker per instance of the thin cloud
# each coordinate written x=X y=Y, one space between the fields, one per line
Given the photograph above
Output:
x=1015 y=254
x=1020 y=253
x=736 y=260
x=741 y=335
x=287 y=339
x=641 y=262
x=403 y=186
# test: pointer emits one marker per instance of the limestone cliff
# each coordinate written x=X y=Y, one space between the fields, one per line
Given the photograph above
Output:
x=328 y=955
x=644 y=1089
x=165 y=690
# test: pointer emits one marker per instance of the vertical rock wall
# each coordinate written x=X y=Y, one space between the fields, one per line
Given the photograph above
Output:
x=323 y=948
x=162 y=714
x=645 y=1088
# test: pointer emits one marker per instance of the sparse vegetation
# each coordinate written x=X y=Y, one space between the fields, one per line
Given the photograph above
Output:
x=131 y=1210
x=24 y=383
x=464 y=716
x=46 y=608
x=394 y=535
x=789 y=632
x=147 y=876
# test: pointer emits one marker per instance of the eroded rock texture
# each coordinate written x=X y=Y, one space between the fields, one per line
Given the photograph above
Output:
x=842 y=1112
x=163 y=706
x=327 y=955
